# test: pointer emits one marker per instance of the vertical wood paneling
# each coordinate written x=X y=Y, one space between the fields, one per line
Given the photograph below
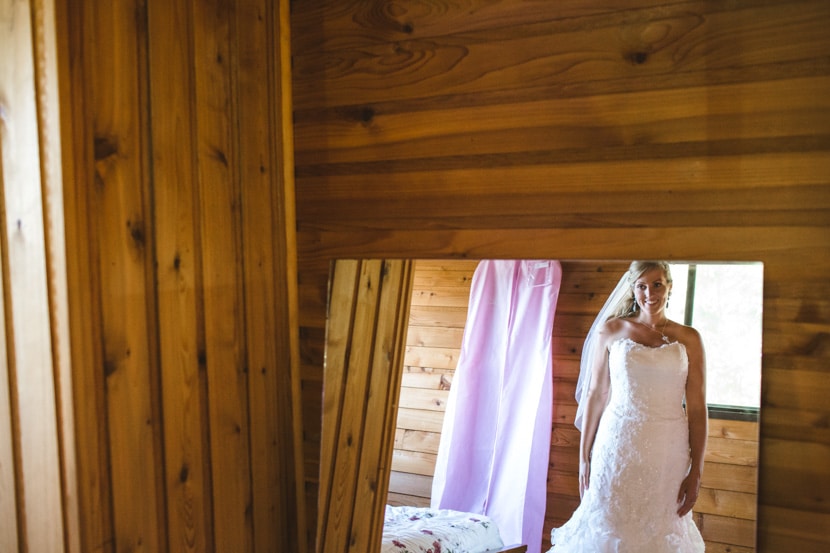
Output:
x=268 y=468
x=364 y=356
x=8 y=492
x=382 y=402
x=348 y=405
x=342 y=301
x=29 y=406
x=181 y=210
x=125 y=263
x=50 y=39
x=265 y=163
x=8 y=478
x=219 y=200
x=83 y=280
x=181 y=337
x=285 y=252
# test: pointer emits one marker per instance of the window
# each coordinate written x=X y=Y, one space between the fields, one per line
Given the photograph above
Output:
x=724 y=303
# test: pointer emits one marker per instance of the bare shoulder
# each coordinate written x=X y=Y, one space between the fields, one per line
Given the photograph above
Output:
x=611 y=330
x=688 y=336
x=685 y=332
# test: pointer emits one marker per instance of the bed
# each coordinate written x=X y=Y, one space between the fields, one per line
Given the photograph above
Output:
x=424 y=530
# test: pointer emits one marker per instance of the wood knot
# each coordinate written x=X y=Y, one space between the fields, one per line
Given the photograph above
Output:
x=636 y=58
x=367 y=114
x=104 y=147
x=408 y=28
x=110 y=367
x=136 y=232
x=219 y=156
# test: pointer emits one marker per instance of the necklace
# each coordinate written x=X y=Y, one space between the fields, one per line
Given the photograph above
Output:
x=653 y=329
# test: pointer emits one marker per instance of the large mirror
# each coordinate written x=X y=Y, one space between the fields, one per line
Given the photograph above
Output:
x=427 y=303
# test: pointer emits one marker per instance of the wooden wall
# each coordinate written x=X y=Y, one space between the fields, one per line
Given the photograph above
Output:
x=37 y=450
x=182 y=295
x=576 y=130
x=726 y=510
x=687 y=130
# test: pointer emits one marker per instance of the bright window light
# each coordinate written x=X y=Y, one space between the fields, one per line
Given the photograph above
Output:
x=724 y=303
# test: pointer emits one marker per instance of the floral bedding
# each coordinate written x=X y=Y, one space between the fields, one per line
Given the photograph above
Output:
x=422 y=530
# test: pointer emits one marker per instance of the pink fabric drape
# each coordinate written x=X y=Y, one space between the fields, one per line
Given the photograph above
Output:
x=495 y=442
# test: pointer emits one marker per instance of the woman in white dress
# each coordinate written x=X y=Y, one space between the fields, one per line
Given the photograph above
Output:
x=642 y=446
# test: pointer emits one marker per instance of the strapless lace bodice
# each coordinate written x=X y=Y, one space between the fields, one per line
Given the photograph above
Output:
x=647 y=383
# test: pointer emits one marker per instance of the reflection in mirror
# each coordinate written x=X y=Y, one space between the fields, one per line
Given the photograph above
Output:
x=702 y=294
x=724 y=302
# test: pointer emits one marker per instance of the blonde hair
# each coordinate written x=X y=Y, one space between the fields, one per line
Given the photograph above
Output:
x=627 y=307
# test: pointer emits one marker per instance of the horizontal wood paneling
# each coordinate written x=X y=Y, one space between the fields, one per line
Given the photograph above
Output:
x=438 y=313
x=647 y=129
x=593 y=52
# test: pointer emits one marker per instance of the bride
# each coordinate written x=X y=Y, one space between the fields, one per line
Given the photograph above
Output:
x=641 y=450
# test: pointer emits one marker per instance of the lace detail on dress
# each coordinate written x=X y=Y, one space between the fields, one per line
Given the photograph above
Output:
x=639 y=459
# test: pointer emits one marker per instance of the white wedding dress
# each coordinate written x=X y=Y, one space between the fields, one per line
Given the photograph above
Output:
x=639 y=459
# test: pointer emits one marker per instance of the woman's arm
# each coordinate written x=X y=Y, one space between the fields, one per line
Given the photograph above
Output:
x=596 y=400
x=698 y=418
